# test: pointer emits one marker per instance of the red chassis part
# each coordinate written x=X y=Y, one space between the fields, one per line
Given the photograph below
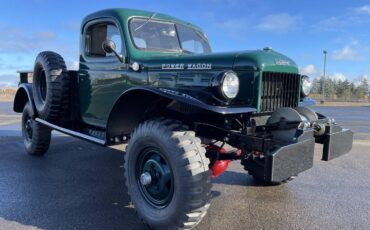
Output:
x=220 y=166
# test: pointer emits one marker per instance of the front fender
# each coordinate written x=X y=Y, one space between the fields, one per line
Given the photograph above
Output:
x=23 y=95
x=134 y=104
x=188 y=99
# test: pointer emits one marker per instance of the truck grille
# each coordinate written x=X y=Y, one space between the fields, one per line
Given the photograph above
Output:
x=279 y=90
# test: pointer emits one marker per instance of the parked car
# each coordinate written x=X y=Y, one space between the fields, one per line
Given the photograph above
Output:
x=307 y=102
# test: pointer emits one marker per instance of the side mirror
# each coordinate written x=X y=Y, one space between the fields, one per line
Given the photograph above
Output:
x=110 y=47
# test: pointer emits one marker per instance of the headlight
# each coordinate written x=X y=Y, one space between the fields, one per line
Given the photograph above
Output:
x=306 y=86
x=229 y=85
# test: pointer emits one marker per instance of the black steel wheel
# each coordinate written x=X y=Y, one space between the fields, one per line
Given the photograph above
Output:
x=155 y=178
x=167 y=175
x=36 y=136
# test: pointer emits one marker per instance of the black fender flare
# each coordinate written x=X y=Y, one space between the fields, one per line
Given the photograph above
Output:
x=22 y=96
x=130 y=107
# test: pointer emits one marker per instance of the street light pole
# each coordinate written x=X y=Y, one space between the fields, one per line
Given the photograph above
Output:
x=323 y=79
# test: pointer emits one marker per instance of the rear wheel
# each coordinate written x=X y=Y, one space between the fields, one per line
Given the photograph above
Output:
x=36 y=136
x=167 y=175
x=50 y=86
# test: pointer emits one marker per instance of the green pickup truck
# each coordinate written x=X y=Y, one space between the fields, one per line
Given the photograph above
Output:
x=151 y=81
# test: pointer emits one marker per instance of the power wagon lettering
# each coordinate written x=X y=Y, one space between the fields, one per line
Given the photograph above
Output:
x=187 y=66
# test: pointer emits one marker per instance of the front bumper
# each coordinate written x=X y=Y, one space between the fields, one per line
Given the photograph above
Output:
x=283 y=147
x=289 y=159
x=337 y=141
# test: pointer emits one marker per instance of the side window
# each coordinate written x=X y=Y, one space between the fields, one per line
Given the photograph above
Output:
x=96 y=34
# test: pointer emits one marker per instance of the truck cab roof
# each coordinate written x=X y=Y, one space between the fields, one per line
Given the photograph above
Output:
x=124 y=14
x=122 y=18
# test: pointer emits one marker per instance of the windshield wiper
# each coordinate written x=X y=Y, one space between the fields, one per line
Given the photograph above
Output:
x=148 y=20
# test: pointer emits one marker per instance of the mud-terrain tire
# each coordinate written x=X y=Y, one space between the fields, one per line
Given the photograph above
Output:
x=36 y=137
x=50 y=86
x=179 y=191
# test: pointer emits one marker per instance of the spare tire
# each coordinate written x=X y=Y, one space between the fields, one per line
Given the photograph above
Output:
x=50 y=86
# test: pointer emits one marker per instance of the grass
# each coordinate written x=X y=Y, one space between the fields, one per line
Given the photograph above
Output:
x=6 y=98
x=350 y=104
x=362 y=142
x=7 y=94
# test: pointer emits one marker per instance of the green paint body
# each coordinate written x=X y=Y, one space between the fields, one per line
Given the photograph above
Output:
x=102 y=81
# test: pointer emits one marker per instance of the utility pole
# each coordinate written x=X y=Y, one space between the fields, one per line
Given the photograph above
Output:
x=323 y=79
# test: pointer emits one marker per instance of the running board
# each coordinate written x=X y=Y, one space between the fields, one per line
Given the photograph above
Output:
x=72 y=133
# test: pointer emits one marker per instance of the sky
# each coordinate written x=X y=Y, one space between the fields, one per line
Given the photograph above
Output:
x=300 y=29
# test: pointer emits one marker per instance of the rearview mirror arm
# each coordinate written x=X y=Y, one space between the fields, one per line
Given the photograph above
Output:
x=119 y=56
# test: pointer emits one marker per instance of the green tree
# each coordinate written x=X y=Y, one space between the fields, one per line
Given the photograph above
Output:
x=316 y=86
x=329 y=88
x=339 y=88
x=365 y=86
x=363 y=89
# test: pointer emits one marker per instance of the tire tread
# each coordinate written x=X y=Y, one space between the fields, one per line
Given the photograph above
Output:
x=41 y=136
x=197 y=173
x=57 y=103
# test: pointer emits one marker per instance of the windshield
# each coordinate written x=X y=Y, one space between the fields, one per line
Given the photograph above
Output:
x=150 y=34
x=192 y=40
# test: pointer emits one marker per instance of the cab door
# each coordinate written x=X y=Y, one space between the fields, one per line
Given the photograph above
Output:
x=103 y=77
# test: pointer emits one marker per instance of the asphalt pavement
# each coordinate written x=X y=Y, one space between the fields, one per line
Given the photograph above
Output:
x=79 y=185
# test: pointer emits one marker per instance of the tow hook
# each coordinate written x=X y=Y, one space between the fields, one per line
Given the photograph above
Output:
x=220 y=159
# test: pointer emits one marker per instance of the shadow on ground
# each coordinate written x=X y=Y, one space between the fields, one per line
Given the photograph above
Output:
x=238 y=178
x=75 y=186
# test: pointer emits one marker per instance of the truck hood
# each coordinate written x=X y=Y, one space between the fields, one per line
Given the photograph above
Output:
x=192 y=74
x=257 y=60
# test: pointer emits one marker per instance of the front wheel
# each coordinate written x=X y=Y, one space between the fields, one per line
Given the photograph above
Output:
x=167 y=175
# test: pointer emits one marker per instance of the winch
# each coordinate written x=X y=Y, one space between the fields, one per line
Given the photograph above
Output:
x=304 y=117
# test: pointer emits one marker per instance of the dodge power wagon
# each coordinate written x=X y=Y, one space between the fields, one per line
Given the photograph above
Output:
x=151 y=81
